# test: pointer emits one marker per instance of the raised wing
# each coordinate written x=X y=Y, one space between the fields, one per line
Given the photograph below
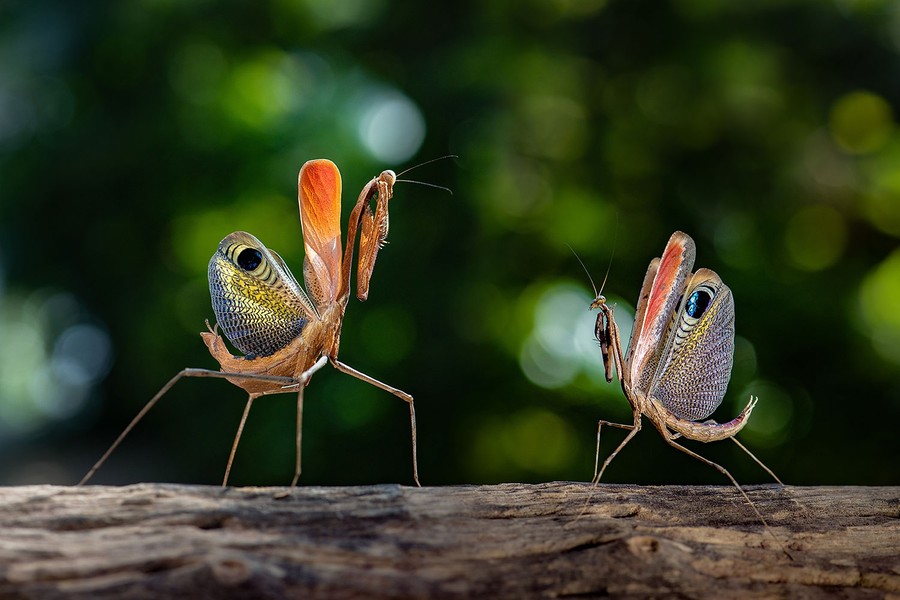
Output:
x=257 y=301
x=695 y=365
x=319 y=195
x=660 y=295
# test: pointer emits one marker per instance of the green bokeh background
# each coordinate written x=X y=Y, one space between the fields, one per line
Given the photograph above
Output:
x=134 y=135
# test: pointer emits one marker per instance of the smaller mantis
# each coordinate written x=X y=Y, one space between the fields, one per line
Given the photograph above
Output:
x=679 y=359
x=285 y=333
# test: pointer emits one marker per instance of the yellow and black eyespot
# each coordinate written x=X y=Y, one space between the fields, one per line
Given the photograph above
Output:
x=249 y=259
x=255 y=260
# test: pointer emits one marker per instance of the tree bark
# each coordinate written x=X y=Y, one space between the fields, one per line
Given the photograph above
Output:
x=500 y=541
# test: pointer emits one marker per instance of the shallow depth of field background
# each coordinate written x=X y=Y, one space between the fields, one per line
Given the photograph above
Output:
x=134 y=135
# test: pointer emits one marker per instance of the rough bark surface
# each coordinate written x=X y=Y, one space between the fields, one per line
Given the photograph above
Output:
x=499 y=541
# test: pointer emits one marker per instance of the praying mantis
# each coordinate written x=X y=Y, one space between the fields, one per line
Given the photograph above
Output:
x=287 y=333
x=679 y=359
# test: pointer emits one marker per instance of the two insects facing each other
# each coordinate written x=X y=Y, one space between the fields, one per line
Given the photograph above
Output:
x=675 y=371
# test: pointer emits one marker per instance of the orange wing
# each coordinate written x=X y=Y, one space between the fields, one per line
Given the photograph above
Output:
x=319 y=194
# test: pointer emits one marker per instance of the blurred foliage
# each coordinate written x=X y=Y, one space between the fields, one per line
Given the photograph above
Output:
x=134 y=135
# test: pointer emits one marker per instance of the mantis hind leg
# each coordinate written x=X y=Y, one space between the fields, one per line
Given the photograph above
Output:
x=287 y=381
x=727 y=474
x=759 y=462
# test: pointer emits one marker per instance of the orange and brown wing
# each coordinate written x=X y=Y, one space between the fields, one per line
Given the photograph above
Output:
x=319 y=194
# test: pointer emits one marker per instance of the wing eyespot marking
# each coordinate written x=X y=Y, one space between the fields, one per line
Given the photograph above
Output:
x=249 y=259
x=697 y=303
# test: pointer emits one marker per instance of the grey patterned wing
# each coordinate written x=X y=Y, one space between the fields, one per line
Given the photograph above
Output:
x=695 y=368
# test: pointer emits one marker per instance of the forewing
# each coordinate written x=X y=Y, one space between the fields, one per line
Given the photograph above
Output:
x=319 y=195
x=257 y=301
x=660 y=295
x=693 y=374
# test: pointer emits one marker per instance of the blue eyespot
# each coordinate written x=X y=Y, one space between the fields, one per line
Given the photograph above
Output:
x=697 y=304
x=249 y=259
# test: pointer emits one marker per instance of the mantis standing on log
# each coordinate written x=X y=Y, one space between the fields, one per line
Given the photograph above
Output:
x=286 y=334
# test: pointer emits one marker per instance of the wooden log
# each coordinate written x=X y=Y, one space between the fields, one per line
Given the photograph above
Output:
x=498 y=541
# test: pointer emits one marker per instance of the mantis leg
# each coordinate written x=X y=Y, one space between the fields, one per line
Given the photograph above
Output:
x=400 y=394
x=759 y=462
x=634 y=429
x=300 y=381
x=299 y=437
x=725 y=472
x=597 y=475
x=287 y=381
x=237 y=438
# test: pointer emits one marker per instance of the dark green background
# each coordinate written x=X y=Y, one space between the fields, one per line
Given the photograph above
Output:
x=134 y=135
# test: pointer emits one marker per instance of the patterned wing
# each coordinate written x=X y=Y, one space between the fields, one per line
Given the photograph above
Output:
x=695 y=366
x=257 y=301
x=660 y=295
